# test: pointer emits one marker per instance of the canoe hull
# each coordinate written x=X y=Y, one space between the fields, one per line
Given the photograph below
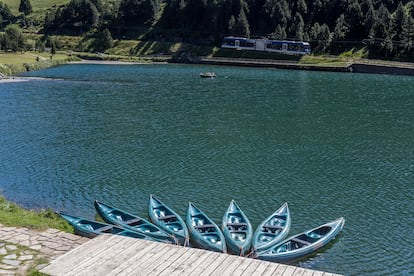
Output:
x=90 y=228
x=272 y=230
x=303 y=244
x=168 y=220
x=203 y=231
x=131 y=222
x=237 y=230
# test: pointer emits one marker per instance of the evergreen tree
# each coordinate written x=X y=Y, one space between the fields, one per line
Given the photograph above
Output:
x=25 y=7
x=232 y=25
x=398 y=21
x=139 y=11
x=278 y=11
x=107 y=40
x=341 y=28
x=53 y=47
x=370 y=21
x=242 y=25
x=299 y=27
x=354 y=18
x=407 y=36
x=279 y=33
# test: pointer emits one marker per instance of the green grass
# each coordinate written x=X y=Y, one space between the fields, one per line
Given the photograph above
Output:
x=13 y=215
x=14 y=63
x=36 y=4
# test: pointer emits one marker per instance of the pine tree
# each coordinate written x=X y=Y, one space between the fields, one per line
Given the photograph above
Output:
x=398 y=21
x=242 y=25
x=25 y=7
x=107 y=40
x=407 y=36
x=279 y=33
x=341 y=28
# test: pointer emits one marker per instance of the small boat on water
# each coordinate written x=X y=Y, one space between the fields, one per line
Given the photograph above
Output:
x=237 y=230
x=168 y=220
x=208 y=75
x=302 y=244
x=131 y=222
x=90 y=228
x=273 y=229
x=204 y=232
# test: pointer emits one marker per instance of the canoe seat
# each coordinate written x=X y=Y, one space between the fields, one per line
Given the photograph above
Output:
x=237 y=224
x=104 y=228
x=131 y=221
x=166 y=217
x=300 y=241
x=272 y=227
x=204 y=226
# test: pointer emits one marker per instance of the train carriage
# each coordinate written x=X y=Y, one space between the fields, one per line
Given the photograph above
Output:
x=267 y=45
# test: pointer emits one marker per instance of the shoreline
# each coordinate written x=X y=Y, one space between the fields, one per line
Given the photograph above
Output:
x=358 y=66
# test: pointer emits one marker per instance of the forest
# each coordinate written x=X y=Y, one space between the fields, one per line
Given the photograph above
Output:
x=384 y=28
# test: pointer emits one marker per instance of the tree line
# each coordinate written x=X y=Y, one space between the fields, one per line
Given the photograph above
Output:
x=385 y=27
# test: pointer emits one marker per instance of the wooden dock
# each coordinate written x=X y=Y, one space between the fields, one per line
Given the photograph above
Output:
x=117 y=255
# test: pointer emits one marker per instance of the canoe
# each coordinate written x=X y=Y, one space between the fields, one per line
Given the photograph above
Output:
x=237 y=230
x=203 y=231
x=131 y=222
x=168 y=220
x=90 y=228
x=273 y=229
x=303 y=244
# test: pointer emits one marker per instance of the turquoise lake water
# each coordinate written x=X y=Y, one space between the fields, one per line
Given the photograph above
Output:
x=329 y=144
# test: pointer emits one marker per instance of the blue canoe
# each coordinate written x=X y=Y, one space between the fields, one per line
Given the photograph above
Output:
x=131 y=222
x=272 y=230
x=90 y=228
x=303 y=244
x=237 y=230
x=168 y=220
x=203 y=231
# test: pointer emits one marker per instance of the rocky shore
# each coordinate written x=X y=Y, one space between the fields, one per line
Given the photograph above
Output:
x=23 y=249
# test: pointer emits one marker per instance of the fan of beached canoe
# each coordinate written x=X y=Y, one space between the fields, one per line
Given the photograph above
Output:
x=236 y=235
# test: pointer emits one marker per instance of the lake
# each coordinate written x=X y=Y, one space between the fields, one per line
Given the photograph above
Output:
x=330 y=144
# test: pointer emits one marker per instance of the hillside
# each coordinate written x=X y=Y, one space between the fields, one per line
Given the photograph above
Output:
x=384 y=28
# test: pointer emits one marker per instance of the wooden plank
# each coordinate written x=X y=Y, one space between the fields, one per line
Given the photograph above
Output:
x=199 y=264
x=289 y=270
x=146 y=267
x=204 y=265
x=251 y=268
x=140 y=249
x=222 y=267
x=217 y=262
x=182 y=264
x=111 y=262
x=270 y=269
x=235 y=262
x=82 y=256
x=242 y=267
x=96 y=258
x=138 y=259
x=308 y=272
x=118 y=255
x=280 y=270
x=299 y=271
x=260 y=269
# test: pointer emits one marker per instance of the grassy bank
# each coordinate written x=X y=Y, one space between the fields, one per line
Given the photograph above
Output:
x=12 y=214
x=14 y=63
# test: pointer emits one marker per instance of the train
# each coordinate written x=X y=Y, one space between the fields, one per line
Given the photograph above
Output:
x=266 y=45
